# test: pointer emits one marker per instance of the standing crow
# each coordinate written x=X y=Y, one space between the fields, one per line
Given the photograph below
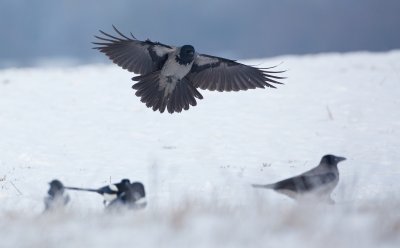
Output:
x=317 y=183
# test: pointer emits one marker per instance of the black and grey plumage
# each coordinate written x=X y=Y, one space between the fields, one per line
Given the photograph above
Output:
x=56 y=196
x=317 y=183
x=109 y=192
x=133 y=197
x=170 y=75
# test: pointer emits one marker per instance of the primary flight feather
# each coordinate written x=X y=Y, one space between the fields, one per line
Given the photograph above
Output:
x=169 y=75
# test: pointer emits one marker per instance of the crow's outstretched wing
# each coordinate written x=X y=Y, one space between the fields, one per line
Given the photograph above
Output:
x=215 y=73
x=140 y=57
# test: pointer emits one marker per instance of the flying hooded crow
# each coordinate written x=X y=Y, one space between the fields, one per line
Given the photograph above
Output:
x=171 y=75
x=317 y=183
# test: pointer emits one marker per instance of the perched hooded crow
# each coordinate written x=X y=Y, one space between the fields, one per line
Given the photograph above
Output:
x=171 y=75
x=57 y=197
x=317 y=183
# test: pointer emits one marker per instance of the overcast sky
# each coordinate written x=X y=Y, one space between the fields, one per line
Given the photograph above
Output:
x=39 y=29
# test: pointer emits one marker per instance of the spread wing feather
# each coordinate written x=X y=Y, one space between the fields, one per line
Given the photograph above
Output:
x=215 y=73
x=140 y=57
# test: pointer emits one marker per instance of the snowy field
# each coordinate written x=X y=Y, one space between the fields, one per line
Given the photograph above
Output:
x=84 y=126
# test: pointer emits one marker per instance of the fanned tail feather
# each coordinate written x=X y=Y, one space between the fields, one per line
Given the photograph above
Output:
x=149 y=90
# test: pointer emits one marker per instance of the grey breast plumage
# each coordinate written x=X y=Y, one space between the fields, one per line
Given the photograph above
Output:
x=161 y=90
x=317 y=183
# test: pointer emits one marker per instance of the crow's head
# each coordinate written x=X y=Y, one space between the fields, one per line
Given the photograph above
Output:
x=331 y=159
x=186 y=54
x=56 y=188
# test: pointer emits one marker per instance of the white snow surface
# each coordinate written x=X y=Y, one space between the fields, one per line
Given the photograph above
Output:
x=84 y=126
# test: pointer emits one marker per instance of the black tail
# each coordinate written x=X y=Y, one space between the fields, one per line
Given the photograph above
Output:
x=159 y=96
x=83 y=189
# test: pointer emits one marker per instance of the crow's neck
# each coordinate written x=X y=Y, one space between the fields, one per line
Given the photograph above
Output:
x=183 y=60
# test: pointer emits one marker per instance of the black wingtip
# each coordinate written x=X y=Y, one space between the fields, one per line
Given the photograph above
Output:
x=264 y=70
x=136 y=78
x=274 y=66
x=112 y=39
x=120 y=33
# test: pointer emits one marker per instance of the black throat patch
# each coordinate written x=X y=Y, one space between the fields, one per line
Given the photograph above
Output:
x=183 y=61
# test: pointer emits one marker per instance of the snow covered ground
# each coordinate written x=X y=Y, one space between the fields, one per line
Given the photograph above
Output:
x=84 y=126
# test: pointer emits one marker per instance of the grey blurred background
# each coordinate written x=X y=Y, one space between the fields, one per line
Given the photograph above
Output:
x=33 y=31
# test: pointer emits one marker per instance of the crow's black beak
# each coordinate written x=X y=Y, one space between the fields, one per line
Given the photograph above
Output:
x=339 y=159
